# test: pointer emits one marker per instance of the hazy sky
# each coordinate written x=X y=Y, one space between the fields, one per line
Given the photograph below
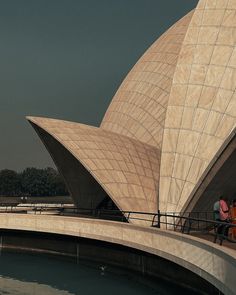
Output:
x=65 y=59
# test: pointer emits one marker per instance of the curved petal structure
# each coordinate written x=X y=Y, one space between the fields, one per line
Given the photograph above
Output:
x=126 y=169
x=176 y=107
x=138 y=108
x=201 y=111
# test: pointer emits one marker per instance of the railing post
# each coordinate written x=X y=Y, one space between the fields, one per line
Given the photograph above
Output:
x=128 y=216
x=174 y=220
x=158 y=218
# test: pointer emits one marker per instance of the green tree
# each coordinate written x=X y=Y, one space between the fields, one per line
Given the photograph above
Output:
x=32 y=181
x=42 y=182
x=56 y=185
x=10 y=184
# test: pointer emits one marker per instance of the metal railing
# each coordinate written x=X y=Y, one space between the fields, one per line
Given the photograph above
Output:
x=186 y=223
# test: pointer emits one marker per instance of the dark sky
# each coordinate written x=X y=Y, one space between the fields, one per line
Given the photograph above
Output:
x=65 y=59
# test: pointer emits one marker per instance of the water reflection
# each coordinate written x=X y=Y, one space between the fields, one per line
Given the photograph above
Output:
x=22 y=274
x=15 y=287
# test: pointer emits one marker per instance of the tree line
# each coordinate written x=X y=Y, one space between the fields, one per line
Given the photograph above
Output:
x=32 y=182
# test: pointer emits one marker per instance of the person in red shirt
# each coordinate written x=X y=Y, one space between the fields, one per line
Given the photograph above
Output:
x=224 y=216
x=224 y=210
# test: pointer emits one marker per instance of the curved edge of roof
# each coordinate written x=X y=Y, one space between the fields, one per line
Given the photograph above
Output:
x=208 y=174
x=131 y=110
x=36 y=121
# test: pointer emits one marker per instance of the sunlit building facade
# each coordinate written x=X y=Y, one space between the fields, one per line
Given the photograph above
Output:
x=167 y=140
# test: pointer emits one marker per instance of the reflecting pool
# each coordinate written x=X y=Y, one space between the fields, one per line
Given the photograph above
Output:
x=25 y=274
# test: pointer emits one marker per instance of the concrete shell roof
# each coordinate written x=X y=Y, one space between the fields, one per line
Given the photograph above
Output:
x=201 y=111
x=127 y=169
x=178 y=99
x=138 y=108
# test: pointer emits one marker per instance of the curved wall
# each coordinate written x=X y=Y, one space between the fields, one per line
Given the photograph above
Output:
x=126 y=169
x=214 y=263
x=219 y=181
x=84 y=189
x=201 y=112
x=161 y=273
x=138 y=108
